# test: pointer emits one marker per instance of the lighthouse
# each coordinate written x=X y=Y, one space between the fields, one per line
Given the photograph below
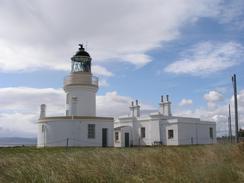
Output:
x=79 y=126
x=81 y=86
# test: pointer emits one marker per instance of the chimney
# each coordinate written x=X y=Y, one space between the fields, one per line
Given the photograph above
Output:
x=132 y=109
x=137 y=107
x=165 y=106
x=161 y=105
x=42 y=111
x=162 y=98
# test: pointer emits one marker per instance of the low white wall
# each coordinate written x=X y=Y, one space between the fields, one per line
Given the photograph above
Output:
x=56 y=132
x=152 y=132
x=186 y=130
x=196 y=133
x=121 y=141
x=175 y=139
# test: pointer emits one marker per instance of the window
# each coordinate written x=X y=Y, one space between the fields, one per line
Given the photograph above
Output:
x=170 y=134
x=91 y=131
x=211 y=133
x=143 y=132
x=116 y=136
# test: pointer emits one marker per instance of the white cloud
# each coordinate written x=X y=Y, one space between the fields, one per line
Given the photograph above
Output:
x=44 y=34
x=14 y=58
x=103 y=83
x=240 y=98
x=232 y=11
x=207 y=57
x=20 y=108
x=112 y=104
x=138 y=59
x=213 y=96
x=25 y=99
x=17 y=124
x=101 y=71
x=185 y=102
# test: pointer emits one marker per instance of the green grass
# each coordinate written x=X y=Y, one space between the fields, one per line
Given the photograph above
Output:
x=205 y=163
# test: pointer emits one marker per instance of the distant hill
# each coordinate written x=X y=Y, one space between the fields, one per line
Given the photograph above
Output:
x=16 y=141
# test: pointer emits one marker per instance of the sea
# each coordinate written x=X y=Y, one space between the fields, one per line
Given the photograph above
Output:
x=17 y=141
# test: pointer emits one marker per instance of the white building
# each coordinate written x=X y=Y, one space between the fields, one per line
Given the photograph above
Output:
x=79 y=126
x=161 y=128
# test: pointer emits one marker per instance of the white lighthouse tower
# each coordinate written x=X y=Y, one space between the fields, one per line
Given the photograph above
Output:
x=80 y=126
x=80 y=86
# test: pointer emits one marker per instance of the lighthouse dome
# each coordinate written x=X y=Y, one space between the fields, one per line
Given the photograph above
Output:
x=82 y=52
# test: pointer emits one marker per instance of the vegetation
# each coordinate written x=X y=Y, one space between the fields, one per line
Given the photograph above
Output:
x=203 y=163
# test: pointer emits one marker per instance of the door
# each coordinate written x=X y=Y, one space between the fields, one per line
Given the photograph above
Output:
x=104 y=137
x=127 y=140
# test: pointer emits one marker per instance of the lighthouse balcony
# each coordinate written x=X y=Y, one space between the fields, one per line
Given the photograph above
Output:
x=81 y=79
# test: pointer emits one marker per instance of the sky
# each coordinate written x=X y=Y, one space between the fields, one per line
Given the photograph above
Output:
x=140 y=49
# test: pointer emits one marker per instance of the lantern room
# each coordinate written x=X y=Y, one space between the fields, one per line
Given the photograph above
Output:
x=81 y=61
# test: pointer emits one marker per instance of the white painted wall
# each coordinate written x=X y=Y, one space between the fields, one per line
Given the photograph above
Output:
x=186 y=130
x=188 y=133
x=86 y=100
x=121 y=141
x=40 y=135
x=152 y=132
x=58 y=131
x=196 y=132
x=163 y=135
x=175 y=139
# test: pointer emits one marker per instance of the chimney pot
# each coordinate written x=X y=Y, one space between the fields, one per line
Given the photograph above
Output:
x=43 y=111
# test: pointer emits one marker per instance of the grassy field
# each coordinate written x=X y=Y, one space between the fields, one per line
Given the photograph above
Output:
x=203 y=163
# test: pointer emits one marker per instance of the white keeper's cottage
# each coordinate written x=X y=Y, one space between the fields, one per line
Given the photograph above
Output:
x=80 y=126
x=161 y=128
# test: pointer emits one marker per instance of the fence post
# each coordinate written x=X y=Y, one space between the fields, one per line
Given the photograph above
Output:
x=67 y=143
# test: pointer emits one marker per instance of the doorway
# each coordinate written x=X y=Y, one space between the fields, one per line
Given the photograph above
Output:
x=104 y=137
x=127 y=140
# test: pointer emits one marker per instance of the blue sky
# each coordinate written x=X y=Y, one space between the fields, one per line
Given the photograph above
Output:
x=141 y=50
